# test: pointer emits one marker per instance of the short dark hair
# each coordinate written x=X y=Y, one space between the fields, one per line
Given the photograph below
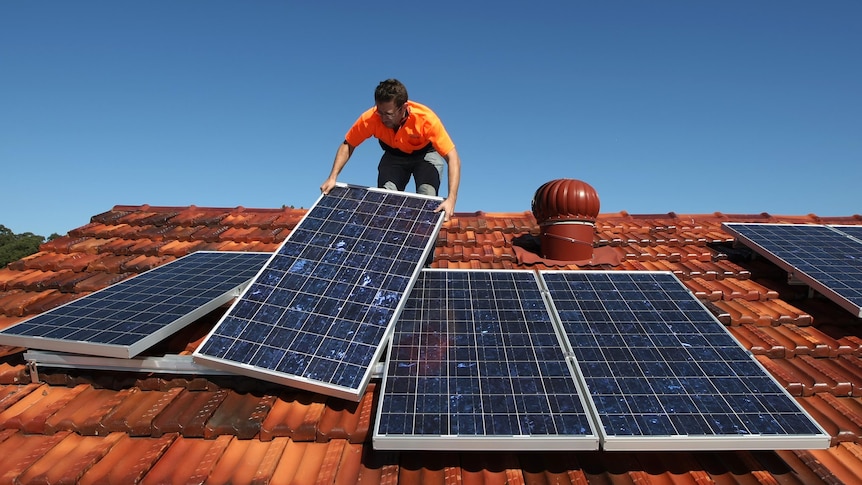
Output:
x=390 y=90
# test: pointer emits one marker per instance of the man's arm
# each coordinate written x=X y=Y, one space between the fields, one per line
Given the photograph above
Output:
x=454 y=169
x=345 y=150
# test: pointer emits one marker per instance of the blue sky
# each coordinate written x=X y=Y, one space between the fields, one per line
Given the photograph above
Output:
x=692 y=107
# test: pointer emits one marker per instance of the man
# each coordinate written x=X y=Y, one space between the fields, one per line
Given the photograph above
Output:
x=414 y=142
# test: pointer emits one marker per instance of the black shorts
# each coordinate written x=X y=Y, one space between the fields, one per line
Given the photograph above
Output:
x=394 y=171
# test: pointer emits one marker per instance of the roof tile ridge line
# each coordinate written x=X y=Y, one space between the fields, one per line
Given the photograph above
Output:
x=481 y=213
x=177 y=208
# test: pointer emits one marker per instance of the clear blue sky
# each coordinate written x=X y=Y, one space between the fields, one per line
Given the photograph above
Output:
x=685 y=106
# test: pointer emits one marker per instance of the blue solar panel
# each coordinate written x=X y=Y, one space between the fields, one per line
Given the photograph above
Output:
x=824 y=258
x=854 y=231
x=317 y=317
x=662 y=373
x=476 y=363
x=128 y=317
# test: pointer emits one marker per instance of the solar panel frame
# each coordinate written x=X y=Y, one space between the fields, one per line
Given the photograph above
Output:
x=318 y=315
x=124 y=319
x=477 y=363
x=662 y=374
x=825 y=258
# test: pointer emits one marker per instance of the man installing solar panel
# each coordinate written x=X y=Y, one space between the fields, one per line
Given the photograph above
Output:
x=414 y=142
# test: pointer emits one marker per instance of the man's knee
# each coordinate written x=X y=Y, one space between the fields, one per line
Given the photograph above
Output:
x=388 y=185
x=426 y=189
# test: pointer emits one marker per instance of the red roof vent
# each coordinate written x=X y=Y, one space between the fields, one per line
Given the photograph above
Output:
x=566 y=210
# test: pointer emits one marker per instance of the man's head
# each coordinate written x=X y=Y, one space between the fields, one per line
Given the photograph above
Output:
x=390 y=90
x=390 y=98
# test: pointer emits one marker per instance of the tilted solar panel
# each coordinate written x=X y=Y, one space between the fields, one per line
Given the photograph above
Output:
x=664 y=374
x=476 y=363
x=318 y=315
x=824 y=258
x=128 y=317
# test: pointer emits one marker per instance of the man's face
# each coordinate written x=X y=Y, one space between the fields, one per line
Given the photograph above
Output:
x=390 y=114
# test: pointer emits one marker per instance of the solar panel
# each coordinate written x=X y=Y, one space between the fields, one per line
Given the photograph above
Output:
x=826 y=259
x=853 y=231
x=475 y=363
x=664 y=374
x=124 y=319
x=318 y=315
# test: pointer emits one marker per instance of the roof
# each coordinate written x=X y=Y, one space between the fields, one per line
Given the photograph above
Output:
x=101 y=426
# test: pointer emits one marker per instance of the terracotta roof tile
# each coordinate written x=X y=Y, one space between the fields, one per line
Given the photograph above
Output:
x=21 y=452
x=239 y=414
x=109 y=264
x=199 y=216
x=187 y=460
x=99 y=281
x=17 y=303
x=180 y=248
x=61 y=244
x=188 y=413
x=134 y=416
x=127 y=461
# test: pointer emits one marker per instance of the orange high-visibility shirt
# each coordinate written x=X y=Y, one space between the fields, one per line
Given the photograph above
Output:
x=421 y=127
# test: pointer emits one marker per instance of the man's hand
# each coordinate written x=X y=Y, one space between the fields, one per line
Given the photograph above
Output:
x=448 y=208
x=327 y=185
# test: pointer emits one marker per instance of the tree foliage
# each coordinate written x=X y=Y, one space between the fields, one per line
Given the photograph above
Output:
x=16 y=246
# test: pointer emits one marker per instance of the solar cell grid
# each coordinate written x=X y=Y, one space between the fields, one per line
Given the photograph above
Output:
x=318 y=314
x=854 y=231
x=823 y=257
x=663 y=373
x=475 y=363
x=124 y=319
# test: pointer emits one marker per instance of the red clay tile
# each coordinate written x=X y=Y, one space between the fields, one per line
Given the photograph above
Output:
x=136 y=413
x=83 y=414
x=180 y=248
x=703 y=289
x=208 y=234
x=31 y=413
x=196 y=216
x=99 y=281
x=67 y=461
x=247 y=461
x=127 y=461
x=808 y=341
x=309 y=462
x=109 y=263
x=348 y=420
x=149 y=247
x=294 y=415
x=13 y=374
x=839 y=464
x=20 y=452
x=61 y=244
x=15 y=303
x=763 y=341
x=240 y=415
x=11 y=394
x=75 y=261
x=143 y=263
x=27 y=279
x=187 y=460
x=156 y=233
x=238 y=234
x=119 y=246
x=42 y=260
x=188 y=413
x=839 y=426
x=111 y=216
